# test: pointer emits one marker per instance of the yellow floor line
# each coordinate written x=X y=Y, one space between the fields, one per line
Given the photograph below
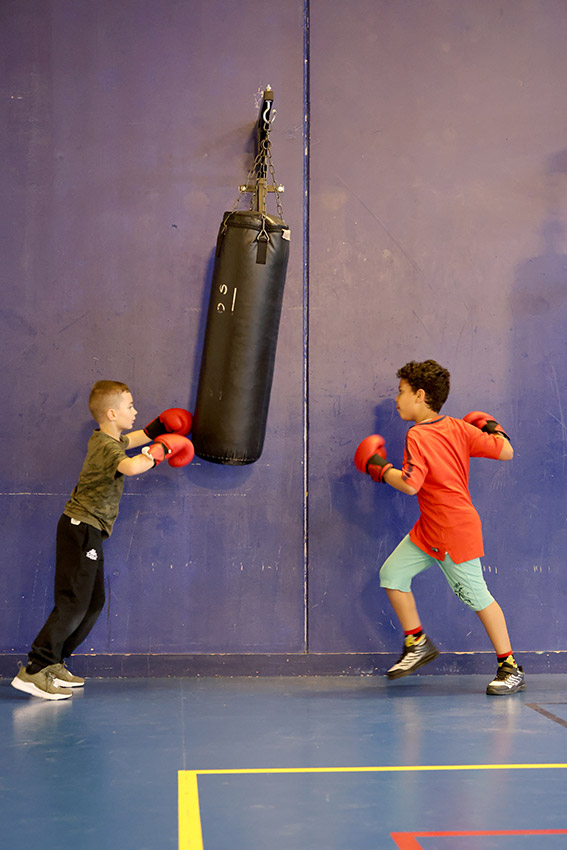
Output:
x=190 y=832
x=382 y=769
x=189 y=815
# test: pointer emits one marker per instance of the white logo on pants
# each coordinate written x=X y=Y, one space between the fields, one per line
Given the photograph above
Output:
x=92 y=554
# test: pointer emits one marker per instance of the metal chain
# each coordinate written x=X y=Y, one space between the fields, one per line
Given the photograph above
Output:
x=275 y=183
x=249 y=177
x=264 y=156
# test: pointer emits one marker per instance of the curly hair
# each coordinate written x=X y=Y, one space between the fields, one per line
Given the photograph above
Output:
x=429 y=376
x=104 y=395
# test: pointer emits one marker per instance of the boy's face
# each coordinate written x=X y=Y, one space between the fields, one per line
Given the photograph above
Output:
x=407 y=402
x=124 y=413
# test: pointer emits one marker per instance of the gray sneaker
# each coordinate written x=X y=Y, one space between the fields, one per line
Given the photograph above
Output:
x=40 y=684
x=508 y=680
x=413 y=657
x=62 y=676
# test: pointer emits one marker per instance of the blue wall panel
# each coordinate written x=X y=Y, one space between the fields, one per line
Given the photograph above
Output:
x=438 y=209
x=128 y=128
x=437 y=224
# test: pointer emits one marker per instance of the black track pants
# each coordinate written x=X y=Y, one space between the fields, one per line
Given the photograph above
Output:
x=79 y=593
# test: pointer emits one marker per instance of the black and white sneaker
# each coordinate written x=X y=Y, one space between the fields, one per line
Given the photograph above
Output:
x=413 y=657
x=508 y=680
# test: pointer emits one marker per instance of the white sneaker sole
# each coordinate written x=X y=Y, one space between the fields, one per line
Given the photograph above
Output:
x=503 y=692
x=30 y=688
x=61 y=683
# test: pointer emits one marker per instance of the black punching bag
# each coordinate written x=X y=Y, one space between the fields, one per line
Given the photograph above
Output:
x=239 y=350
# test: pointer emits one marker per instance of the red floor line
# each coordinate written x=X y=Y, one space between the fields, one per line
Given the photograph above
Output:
x=408 y=840
x=405 y=841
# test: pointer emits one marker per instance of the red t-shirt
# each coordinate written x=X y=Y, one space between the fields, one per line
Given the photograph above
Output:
x=436 y=465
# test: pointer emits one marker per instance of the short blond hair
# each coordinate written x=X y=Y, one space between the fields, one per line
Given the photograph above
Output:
x=104 y=395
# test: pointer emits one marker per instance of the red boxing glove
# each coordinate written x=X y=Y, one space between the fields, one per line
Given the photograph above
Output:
x=174 y=420
x=373 y=445
x=370 y=457
x=182 y=451
x=177 y=449
x=485 y=422
x=378 y=467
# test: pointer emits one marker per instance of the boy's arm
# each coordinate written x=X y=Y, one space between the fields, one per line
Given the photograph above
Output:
x=393 y=477
x=370 y=458
x=507 y=450
x=488 y=424
x=176 y=448
x=139 y=463
x=135 y=465
x=175 y=420
x=137 y=438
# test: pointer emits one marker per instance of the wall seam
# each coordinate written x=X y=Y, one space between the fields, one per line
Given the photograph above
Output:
x=306 y=177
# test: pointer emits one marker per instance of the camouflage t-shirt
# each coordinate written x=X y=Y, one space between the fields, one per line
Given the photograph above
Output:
x=96 y=496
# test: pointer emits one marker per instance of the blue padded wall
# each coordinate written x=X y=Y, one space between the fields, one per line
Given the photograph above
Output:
x=435 y=138
x=129 y=127
x=438 y=210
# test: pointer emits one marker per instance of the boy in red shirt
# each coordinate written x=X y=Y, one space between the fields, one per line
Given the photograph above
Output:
x=448 y=531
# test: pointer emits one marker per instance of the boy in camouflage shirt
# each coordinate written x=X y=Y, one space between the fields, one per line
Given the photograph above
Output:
x=87 y=520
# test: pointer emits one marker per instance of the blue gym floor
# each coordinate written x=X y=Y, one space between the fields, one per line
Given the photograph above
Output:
x=327 y=763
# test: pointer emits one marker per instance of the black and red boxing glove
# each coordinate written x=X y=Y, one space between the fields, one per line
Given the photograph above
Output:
x=375 y=444
x=174 y=420
x=177 y=449
x=485 y=422
x=370 y=457
x=378 y=467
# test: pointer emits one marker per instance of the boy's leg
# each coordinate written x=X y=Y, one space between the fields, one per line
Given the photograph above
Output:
x=405 y=609
x=509 y=677
x=95 y=607
x=493 y=620
x=79 y=551
x=467 y=582
x=396 y=575
x=61 y=672
x=398 y=571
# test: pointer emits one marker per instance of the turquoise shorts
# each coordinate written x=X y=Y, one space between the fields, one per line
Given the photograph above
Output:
x=466 y=579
